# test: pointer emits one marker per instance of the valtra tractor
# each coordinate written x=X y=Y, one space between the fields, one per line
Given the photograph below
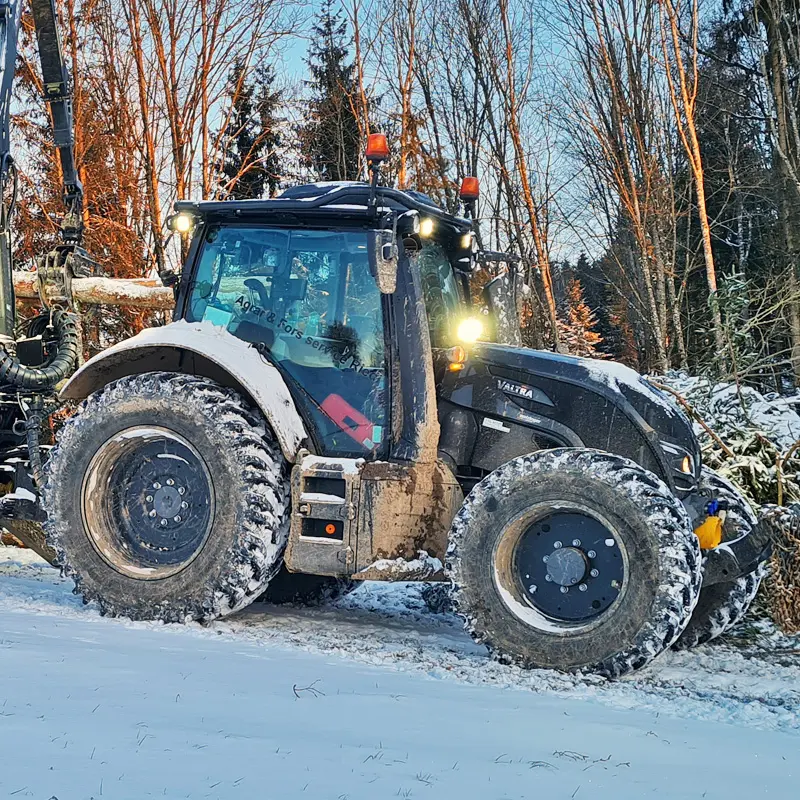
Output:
x=328 y=406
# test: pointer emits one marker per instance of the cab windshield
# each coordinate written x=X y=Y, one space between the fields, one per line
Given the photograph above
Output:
x=308 y=299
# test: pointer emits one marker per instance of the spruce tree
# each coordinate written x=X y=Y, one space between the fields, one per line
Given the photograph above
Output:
x=577 y=328
x=250 y=163
x=330 y=135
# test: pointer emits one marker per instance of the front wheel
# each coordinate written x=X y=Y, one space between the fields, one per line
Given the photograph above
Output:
x=574 y=560
x=166 y=499
x=723 y=605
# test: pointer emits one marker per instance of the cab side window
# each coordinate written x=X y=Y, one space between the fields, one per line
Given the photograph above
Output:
x=442 y=295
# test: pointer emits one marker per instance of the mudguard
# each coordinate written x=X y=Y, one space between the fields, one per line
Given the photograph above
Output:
x=198 y=348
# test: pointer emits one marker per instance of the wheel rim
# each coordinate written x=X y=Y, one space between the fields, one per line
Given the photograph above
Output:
x=561 y=568
x=156 y=509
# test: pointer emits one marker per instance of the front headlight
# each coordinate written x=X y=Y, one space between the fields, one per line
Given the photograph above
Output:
x=680 y=461
x=469 y=330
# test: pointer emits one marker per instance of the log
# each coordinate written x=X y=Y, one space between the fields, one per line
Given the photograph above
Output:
x=130 y=292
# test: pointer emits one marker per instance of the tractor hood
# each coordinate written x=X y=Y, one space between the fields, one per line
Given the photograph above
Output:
x=585 y=402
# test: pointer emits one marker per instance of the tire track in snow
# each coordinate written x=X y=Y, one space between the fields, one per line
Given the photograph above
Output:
x=390 y=626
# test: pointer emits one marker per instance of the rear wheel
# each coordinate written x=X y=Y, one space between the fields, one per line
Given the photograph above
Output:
x=166 y=499
x=723 y=605
x=574 y=560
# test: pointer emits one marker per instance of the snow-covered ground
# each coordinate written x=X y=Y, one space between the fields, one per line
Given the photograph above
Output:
x=374 y=697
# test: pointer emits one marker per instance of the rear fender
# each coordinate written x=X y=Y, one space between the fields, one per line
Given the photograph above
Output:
x=198 y=348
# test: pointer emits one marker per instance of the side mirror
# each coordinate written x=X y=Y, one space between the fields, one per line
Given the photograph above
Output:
x=384 y=258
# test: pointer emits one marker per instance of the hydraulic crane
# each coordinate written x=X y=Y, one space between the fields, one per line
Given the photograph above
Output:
x=44 y=351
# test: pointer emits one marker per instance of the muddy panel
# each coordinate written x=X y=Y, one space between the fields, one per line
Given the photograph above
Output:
x=405 y=511
x=325 y=497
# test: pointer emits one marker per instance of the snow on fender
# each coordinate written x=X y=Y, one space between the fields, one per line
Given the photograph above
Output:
x=222 y=357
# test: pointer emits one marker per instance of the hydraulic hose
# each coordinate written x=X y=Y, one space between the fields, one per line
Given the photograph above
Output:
x=33 y=423
x=65 y=326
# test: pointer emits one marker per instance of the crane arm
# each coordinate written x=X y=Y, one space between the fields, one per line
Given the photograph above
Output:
x=55 y=79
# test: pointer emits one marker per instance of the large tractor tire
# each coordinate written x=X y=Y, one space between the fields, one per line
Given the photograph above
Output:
x=166 y=499
x=298 y=588
x=723 y=605
x=576 y=560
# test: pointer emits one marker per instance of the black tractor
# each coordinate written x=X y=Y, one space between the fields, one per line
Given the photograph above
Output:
x=330 y=406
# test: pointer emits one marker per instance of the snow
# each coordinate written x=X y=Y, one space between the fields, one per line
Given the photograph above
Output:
x=20 y=493
x=347 y=466
x=720 y=407
x=615 y=375
x=423 y=564
x=258 y=376
x=321 y=497
x=373 y=697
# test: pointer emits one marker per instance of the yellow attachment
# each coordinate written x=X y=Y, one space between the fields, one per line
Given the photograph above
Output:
x=709 y=533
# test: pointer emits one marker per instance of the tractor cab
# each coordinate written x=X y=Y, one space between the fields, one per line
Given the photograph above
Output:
x=347 y=290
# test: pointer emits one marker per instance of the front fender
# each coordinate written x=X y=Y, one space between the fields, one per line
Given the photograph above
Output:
x=198 y=348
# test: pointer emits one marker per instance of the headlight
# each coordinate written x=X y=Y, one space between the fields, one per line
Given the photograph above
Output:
x=679 y=459
x=426 y=227
x=182 y=222
x=469 y=330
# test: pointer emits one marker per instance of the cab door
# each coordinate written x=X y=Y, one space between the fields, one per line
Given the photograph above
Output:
x=307 y=299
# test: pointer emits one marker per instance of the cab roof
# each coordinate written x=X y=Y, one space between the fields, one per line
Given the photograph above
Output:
x=325 y=202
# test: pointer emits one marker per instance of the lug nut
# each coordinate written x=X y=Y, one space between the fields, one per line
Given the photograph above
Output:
x=152 y=513
x=184 y=504
x=548 y=578
x=545 y=559
x=163 y=522
x=558 y=545
x=583 y=587
x=576 y=542
x=564 y=589
x=149 y=498
x=156 y=485
x=181 y=490
x=532 y=588
x=170 y=482
x=594 y=573
x=177 y=519
x=591 y=554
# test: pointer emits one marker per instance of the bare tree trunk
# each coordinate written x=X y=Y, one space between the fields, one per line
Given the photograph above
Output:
x=684 y=101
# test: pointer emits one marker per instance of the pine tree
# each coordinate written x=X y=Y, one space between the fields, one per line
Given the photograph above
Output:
x=250 y=164
x=330 y=135
x=576 y=330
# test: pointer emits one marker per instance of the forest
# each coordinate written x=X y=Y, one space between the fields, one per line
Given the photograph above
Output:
x=642 y=158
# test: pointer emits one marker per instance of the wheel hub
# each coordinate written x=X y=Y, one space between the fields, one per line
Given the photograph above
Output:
x=166 y=501
x=567 y=566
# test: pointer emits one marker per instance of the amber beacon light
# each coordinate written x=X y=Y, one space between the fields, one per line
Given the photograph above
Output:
x=377 y=148
x=470 y=189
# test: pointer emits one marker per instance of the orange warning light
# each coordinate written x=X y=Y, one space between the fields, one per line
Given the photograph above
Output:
x=470 y=189
x=330 y=529
x=377 y=148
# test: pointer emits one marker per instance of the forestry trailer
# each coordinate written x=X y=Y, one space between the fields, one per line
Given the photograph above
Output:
x=329 y=406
